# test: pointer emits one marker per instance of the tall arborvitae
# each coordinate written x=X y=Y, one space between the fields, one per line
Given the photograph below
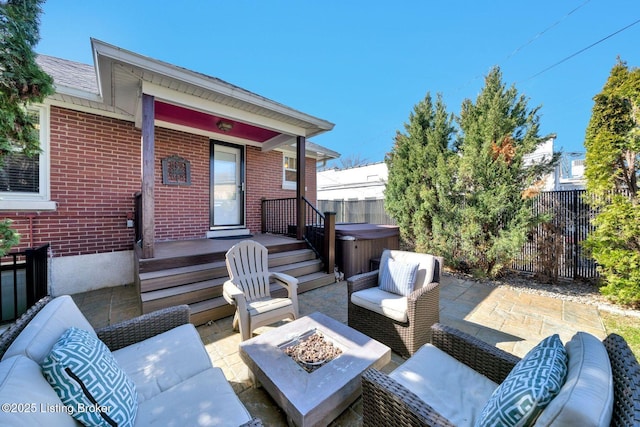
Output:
x=612 y=168
x=492 y=179
x=412 y=195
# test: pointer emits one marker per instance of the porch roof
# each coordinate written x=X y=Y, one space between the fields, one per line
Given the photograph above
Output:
x=196 y=102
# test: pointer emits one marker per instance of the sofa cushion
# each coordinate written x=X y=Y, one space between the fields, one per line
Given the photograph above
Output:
x=586 y=398
x=42 y=332
x=159 y=363
x=398 y=277
x=205 y=399
x=81 y=369
x=529 y=387
x=385 y=303
x=452 y=388
x=31 y=400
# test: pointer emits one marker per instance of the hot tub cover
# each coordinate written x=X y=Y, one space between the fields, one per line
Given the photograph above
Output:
x=365 y=231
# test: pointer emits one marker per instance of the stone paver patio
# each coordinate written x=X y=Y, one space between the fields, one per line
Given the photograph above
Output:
x=512 y=320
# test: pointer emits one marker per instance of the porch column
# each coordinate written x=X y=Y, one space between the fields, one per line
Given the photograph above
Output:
x=301 y=150
x=148 y=181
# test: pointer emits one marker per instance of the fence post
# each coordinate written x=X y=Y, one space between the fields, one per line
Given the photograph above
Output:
x=329 y=241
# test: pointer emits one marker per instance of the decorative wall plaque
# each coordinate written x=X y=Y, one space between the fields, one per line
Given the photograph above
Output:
x=176 y=171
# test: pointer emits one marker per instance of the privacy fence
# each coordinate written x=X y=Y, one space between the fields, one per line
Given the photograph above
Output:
x=553 y=250
x=354 y=211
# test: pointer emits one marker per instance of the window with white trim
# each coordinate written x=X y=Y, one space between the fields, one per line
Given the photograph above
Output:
x=24 y=181
x=289 y=172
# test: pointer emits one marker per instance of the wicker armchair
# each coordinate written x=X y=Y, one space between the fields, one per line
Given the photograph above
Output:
x=423 y=305
x=388 y=403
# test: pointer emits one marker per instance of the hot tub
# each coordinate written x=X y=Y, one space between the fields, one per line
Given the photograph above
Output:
x=358 y=244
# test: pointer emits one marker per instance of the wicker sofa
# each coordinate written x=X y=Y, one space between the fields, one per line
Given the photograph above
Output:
x=161 y=352
x=387 y=402
x=407 y=332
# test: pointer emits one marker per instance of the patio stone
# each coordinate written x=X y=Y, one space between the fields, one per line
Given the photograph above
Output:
x=512 y=320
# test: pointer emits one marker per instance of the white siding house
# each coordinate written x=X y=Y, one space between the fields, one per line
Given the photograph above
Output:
x=365 y=182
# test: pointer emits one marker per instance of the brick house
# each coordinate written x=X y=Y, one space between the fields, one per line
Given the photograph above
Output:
x=200 y=153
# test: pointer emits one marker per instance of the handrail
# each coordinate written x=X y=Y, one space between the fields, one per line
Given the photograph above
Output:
x=279 y=216
x=314 y=228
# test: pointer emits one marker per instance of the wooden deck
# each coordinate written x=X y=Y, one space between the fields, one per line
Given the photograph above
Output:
x=193 y=271
x=172 y=249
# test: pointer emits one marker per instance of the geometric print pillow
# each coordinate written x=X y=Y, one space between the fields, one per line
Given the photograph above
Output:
x=398 y=277
x=532 y=383
x=89 y=381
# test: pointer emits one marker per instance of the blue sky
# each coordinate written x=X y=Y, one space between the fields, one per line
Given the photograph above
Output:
x=363 y=65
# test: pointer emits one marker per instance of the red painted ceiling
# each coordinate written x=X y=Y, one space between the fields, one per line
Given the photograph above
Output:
x=209 y=122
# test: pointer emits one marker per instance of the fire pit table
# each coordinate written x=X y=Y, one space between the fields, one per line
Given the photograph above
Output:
x=319 y=396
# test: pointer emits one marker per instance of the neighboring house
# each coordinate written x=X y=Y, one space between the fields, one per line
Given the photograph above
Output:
x=364 y=182
x=568 y=174
x=368 y=182
x=200 y=152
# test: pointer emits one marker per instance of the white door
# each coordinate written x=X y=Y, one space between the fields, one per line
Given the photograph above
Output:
x=227 y=182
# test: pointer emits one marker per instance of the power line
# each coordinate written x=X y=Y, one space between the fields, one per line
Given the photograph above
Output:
x=534 y=38
x=582 y=50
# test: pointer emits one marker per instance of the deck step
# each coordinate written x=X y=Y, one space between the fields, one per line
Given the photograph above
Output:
x=171 y=277
x=156 y=280
x=200 y=285
x=299 y=268
x=184 y=294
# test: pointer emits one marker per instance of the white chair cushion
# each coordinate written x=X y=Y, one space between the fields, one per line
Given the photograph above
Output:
x=44 y=330
x=586 y=398
x=452 y=388
x=385 y=303
x=32 y=400
x=203 y=400
x=159 y=363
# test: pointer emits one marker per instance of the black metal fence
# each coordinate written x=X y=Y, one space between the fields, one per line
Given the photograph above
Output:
x=554 y=249
x=354 y=211
x=23 y=281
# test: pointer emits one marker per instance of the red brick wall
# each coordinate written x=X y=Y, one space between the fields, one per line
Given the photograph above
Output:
x=182 y=212
x=264 y=181
x=95 y=171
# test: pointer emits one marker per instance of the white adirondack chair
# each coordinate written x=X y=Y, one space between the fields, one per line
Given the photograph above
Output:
x=248 y=289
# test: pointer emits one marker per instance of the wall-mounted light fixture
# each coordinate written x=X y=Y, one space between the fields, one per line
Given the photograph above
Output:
x=224 y=126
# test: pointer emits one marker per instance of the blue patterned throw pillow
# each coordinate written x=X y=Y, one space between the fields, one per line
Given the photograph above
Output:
x=89 y=381
x=529 y=387
x=398 y=277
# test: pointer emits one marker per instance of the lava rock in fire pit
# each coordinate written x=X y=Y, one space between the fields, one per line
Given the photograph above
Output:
x=313 y=352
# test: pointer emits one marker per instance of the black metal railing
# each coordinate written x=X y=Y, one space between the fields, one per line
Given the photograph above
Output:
x=279 y=216
x=314 y=228
x=24 y=280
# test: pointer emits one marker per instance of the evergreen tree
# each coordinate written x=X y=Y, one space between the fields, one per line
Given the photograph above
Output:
x=612 y=168
x=21 y=82
x=415 y=164
x=497 y=132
